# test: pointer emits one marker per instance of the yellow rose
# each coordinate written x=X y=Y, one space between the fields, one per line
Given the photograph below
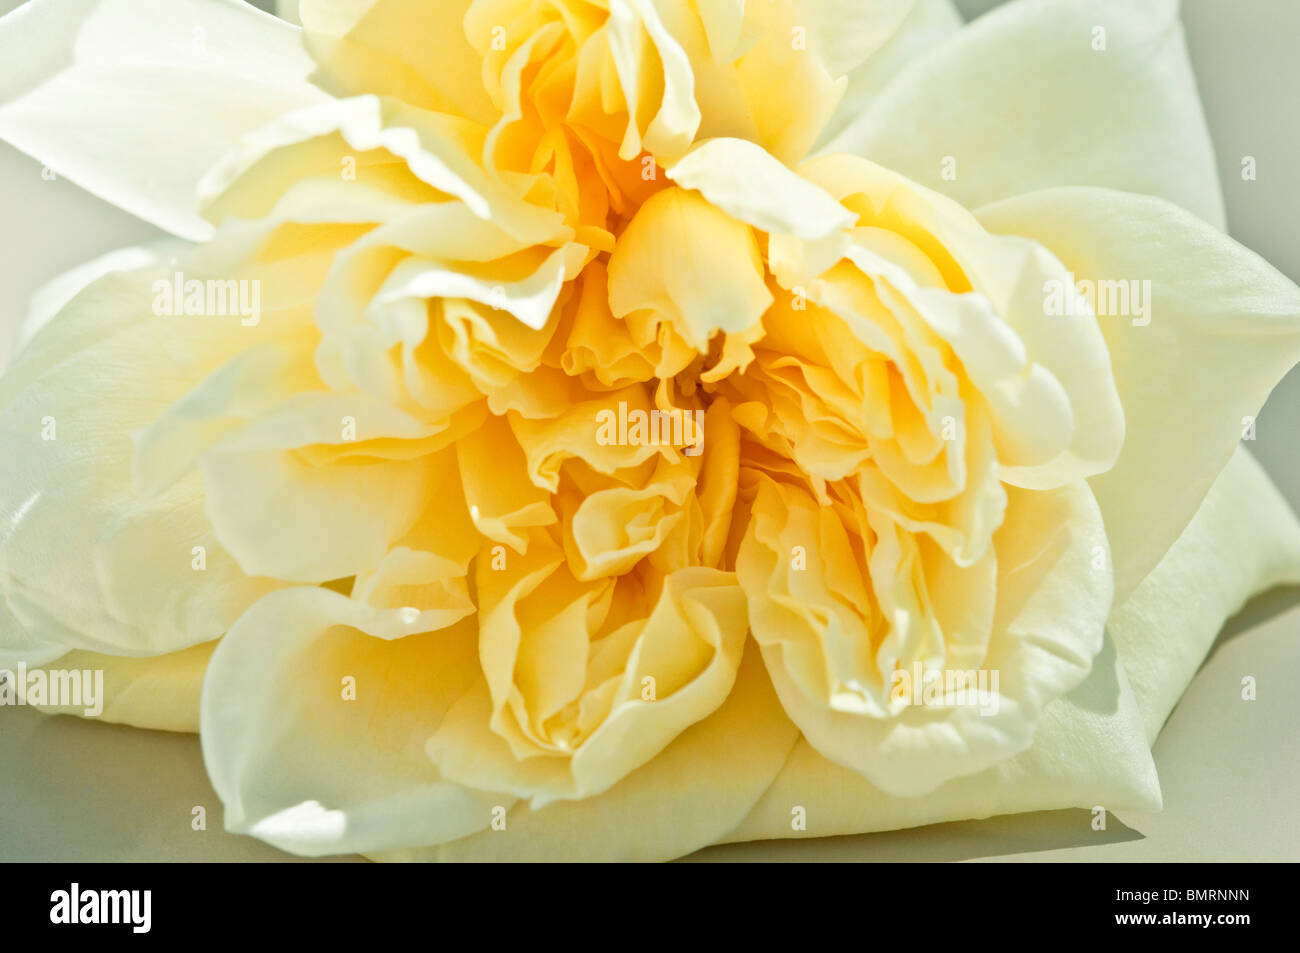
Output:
x=543 y=456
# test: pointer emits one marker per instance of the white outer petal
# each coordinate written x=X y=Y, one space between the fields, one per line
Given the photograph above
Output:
x=1244 y=539
x=1021 y=101
x=925 y=25
x=1088 y=749
x=1221 y=328
x=300 y=767
x=135 y=99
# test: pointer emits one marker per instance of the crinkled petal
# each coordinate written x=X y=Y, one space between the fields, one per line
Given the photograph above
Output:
x=685 y=262
x=440 y=151
x=751 y=185
x=1089 y=750
x=689 y=645
x=693 y=791
x=1045 y=376
x=1052 y=604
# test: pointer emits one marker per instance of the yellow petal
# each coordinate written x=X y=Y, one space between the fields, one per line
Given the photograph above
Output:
x=684 y=263
x=686 y=648
x=687 y=797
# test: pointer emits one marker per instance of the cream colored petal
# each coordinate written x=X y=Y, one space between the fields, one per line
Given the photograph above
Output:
x=530 y=298
x=135 y=99
x=501 y=499
x=440 y=151
x=160 y=693
x=1243 y=540
x=1218 y=327
x=693 y=791
x=1052 y=604
x=577 y=433
x=85 y=560
x=427 y=569
x=670 y=122
x=21 y=643
x=254 y=382
x=413 y=50
x=51 y=298
x=284 y=514
x=313 y=719
x=1057 y=417
x=846 y=32
x=1046 y=376
x=1089 y=750
x=1023 y=99
x=690 y=644
x=785 y=77
x=926 y=24
x=751 y=185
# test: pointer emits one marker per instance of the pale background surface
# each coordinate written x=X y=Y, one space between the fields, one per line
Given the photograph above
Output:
x=1230 y=771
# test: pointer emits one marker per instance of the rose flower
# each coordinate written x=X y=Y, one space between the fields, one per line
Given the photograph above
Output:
x=600 y=430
